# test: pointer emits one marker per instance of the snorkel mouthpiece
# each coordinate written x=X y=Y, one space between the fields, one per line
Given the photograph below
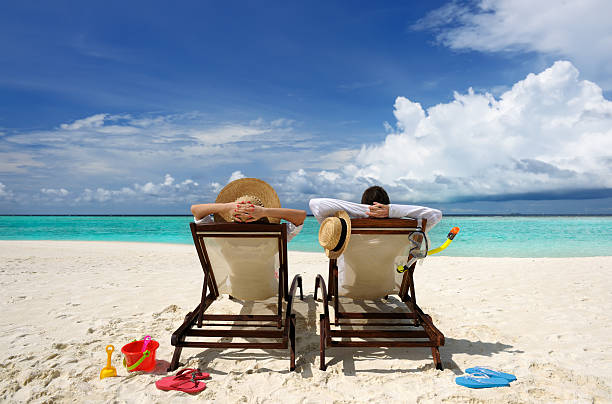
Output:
x=451 y=235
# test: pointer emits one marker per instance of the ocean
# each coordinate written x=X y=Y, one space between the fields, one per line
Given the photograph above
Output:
x=480 y=236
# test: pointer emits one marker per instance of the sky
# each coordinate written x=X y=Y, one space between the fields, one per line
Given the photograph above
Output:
x=472 y=107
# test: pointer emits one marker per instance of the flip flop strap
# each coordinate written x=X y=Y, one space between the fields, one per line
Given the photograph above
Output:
x=193 y=379
x=185 y=372
x=181 y=382
x=478 y=377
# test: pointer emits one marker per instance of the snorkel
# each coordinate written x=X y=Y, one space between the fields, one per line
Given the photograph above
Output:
x=418 y=253
x=449 y=239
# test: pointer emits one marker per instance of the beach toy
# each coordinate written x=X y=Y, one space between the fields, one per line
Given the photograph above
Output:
x=417 y=252
x=137 y=359
x=491 y=373
x=108 y=370
x=449 y=238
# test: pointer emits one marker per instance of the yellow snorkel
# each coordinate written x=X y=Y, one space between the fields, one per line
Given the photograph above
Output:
x=449 y=239
x=416 y=253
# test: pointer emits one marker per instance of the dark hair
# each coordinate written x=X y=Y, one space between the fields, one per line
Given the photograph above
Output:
x=375 y=194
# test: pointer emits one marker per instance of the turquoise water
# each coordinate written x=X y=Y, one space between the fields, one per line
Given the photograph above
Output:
x=480 y=236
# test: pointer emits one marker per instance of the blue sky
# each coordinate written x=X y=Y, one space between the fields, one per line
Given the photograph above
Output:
x=145 y=107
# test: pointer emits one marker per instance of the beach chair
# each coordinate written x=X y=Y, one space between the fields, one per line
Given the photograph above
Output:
x=364 y=315
x=248 y=262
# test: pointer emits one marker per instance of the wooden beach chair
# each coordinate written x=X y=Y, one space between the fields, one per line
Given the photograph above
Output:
x=248 y=262
x=364 y=315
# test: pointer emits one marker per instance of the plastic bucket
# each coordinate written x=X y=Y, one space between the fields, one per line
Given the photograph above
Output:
x=136 y=360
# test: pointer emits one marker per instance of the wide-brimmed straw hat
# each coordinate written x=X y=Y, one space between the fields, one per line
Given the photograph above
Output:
x=335 y=233
x=256 y=191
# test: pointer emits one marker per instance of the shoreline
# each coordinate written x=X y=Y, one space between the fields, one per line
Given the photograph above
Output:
x=546 y=320
x=446 y=255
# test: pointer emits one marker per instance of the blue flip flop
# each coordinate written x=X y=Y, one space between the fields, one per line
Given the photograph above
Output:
x=491 y=373
x=480 y=381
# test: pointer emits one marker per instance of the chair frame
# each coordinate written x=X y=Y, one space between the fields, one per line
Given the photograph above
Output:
x=401 y=337
x=208 y=324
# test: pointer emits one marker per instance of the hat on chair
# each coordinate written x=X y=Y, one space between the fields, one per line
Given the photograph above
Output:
x=256 y=191
x=335 y=233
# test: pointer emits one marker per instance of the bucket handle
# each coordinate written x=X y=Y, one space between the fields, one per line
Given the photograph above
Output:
x=145 y=355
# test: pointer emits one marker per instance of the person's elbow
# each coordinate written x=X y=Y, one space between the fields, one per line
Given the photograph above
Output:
x=313 y=204
x=300 y=218
x=434 y=218
x=437 y=215
x=196 y=212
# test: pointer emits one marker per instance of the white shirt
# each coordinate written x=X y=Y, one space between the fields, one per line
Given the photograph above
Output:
x=292 y=230
x=326 y=207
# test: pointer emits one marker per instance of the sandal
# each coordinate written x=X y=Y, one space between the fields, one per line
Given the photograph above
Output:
x=480 y=381
x=187 y=380
x=491 y=373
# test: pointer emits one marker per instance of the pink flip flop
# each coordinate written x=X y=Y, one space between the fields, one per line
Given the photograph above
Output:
x=187 y=380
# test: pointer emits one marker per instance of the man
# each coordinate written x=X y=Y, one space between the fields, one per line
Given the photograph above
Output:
x=374 y=204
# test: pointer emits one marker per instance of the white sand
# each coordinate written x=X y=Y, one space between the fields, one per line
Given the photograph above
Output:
x=548 y=321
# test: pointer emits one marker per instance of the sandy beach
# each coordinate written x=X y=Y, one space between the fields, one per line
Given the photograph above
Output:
x=546 y=320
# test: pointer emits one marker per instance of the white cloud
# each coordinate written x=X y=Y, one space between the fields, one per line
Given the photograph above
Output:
x=94 y=121
x=168 y=190
x=18 y=162
x=4 y=192
x=216 y=187
x=55 y=192
x=236 y=175
x=579 y=30
x=550 y=132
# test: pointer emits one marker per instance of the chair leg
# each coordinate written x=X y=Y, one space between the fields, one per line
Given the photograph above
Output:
x=435 y=352
x=292 y=342
x=175 y=359
x=301 y=290
x=322 y=336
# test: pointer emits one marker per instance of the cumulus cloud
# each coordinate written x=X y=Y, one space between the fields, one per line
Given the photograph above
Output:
x=105 y=149
x=168 y=190
x=55 y=192
x=549 y=132
x=578 y=30
x=236 y=175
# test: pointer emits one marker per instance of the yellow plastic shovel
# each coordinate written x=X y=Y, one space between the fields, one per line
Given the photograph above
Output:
x=108 y=370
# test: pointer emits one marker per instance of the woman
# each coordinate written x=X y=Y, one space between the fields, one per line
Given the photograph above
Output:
x=249 y=200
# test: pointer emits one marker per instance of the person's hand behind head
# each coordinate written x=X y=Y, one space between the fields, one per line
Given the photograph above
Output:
x=378 y=210
x=247 y=212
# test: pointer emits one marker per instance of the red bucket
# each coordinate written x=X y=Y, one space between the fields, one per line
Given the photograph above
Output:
x=136 y=360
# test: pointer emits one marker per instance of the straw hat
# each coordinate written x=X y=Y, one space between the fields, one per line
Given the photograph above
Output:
x=248 y=189
x=335 y=233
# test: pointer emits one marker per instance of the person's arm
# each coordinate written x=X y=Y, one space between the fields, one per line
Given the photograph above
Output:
x=326 y=207
x=433 y=216
x=202 y=210
x=251 y=213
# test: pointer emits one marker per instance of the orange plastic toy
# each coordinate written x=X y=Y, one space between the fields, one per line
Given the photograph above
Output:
x=108 y=370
